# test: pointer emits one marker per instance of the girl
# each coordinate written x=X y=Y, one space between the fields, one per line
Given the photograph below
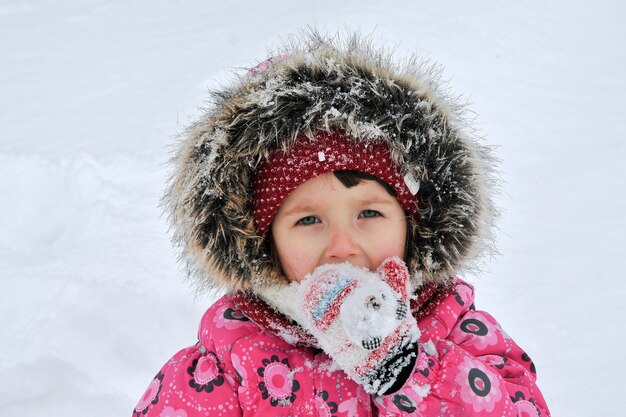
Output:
x=335 y=196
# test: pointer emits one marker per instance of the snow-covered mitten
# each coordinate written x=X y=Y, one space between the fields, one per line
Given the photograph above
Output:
x=362 y=320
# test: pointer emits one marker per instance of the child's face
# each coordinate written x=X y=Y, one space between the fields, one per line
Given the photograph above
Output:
x=322 y=222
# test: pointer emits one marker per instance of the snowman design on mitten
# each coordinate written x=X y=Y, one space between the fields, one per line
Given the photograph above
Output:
x=361 y=319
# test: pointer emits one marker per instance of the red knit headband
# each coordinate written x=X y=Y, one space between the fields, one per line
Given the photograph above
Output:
x=284 y=172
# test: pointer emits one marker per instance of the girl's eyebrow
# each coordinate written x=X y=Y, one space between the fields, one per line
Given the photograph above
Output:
x=300 y=209
x=361 y=202
x=375 y=200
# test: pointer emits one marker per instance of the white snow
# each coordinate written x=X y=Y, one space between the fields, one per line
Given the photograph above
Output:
x=91 y=298
x=412 y=183
x=369 y=312
x=421 y=391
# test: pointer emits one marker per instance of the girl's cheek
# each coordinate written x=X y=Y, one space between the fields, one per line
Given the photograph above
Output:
x=389 y=244
x=295 y=266
x=303 y=262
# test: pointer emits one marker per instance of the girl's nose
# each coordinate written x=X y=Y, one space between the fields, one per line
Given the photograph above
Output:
x=342 y=245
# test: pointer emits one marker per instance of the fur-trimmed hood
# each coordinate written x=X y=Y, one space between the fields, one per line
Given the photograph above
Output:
x=320 y=83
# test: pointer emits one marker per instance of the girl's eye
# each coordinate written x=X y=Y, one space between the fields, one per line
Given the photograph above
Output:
x=370 y=213
x=308 y=220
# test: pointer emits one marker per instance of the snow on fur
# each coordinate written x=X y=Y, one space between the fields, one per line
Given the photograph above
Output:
x=322 y=83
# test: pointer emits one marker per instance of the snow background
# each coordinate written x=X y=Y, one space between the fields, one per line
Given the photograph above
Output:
x=92 y=93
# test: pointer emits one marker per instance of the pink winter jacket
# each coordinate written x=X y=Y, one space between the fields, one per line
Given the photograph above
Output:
x=467 y=366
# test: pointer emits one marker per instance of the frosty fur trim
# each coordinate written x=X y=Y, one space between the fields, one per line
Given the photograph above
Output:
x=327 y=83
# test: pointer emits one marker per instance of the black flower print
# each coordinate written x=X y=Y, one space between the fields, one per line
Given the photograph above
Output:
x=232 y=314
x=479 y=388
x=526 y=358
x=476 y=331
x=501 y=364
x=324 y=407
x=205 y=373
x=151 y=396
x=278 y=383
x=426 y=369
x=525 y=407
x=404 y=403
x=462 y=294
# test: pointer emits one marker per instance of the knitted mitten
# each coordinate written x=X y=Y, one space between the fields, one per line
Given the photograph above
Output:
x=362 y=320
